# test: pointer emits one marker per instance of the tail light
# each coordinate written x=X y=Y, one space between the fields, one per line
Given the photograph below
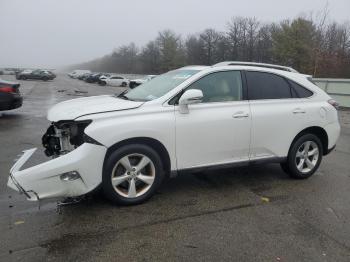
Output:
x=334 y=103
x=8 y=89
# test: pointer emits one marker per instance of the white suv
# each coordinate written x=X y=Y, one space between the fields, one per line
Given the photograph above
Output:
x=192 y=118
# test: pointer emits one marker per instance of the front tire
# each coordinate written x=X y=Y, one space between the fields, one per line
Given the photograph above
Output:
x=304 y=158
x=132 y=174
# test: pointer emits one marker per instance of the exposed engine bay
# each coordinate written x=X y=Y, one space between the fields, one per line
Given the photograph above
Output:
x=64 y=136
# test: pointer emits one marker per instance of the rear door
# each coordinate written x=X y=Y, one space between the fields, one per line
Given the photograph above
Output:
x=278 y=114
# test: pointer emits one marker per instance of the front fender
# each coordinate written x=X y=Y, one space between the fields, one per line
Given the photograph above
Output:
x=158 y=126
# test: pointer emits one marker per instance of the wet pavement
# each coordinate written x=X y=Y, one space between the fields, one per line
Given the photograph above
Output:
x=245 y=214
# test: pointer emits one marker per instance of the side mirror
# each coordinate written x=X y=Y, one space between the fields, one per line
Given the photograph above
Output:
x=191 y=96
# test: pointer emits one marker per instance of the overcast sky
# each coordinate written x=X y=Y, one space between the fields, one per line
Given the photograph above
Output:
x=52 y=33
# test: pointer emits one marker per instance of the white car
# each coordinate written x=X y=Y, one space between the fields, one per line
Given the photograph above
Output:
x=193 y=118
x=114 y=81
x=77 y=73
x=136 y=82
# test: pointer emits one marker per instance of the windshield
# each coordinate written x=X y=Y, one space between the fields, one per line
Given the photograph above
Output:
x=159 y=85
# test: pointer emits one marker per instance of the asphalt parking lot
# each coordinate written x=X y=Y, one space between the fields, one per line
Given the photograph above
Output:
x=246 y=214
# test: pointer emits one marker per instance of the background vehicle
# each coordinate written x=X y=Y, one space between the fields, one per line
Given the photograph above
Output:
x=77 y=73
x=8 y=71
x=190 y=119
x=93 y=78
x=103 y=77
x=136 y=82
x=23 y=73
x=39 y=74
x=84 y=76
x=10 y=97
x=114 y=81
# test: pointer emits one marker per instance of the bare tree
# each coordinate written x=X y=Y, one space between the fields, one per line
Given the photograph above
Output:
x=195 y=53
x=210 y=38
x=252 y=31
x=150 y=58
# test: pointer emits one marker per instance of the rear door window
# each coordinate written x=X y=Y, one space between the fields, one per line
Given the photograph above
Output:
x=263 y=85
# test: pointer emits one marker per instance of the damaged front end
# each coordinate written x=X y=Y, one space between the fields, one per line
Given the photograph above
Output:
x=75 y=168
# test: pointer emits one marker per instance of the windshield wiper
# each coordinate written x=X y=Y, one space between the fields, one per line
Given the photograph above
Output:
x=123 y=96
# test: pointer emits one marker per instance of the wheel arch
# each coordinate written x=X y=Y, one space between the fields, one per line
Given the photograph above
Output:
x=317 y=131
x=151 y=142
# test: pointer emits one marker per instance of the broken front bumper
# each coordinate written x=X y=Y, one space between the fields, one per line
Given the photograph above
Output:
x=52 y=179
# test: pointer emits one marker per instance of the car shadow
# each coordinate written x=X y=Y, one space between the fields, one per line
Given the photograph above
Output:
x=255 y=178
x=5 y=115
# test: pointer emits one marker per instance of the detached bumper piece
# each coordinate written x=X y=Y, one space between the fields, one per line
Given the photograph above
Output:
x=12 y=183
x=73 y=174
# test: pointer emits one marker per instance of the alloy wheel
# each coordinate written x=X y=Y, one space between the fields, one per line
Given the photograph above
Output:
x=133 y=175
x=307 y=156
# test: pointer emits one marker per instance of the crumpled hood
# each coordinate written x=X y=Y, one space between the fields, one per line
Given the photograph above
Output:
x=71 y=109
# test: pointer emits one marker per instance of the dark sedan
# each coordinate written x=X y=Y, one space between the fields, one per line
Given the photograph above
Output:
x=44 y=75
x=93 y=78
x=10 y=97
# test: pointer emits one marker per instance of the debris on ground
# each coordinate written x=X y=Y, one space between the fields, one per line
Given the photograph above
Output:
x=80 y=91
x=265 y=199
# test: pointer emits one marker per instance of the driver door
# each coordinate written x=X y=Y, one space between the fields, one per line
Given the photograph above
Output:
x=217 y=130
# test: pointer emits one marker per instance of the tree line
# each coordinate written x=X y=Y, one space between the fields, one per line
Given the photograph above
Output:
x=311 y=46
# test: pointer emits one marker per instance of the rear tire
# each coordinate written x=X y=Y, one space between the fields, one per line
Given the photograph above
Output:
x=124 y=84
x=102 y=83
x=304 y=157
x=132 y=174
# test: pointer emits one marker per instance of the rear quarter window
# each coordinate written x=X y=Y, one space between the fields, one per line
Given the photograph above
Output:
x=299 y=91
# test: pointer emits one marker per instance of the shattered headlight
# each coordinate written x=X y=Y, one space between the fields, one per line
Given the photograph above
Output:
x=64 y=136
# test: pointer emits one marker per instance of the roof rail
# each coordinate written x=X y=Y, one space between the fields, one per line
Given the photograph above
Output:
x=279 y=67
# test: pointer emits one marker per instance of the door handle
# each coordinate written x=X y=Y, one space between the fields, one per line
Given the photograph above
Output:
x=298 y=111
x=240 y=115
